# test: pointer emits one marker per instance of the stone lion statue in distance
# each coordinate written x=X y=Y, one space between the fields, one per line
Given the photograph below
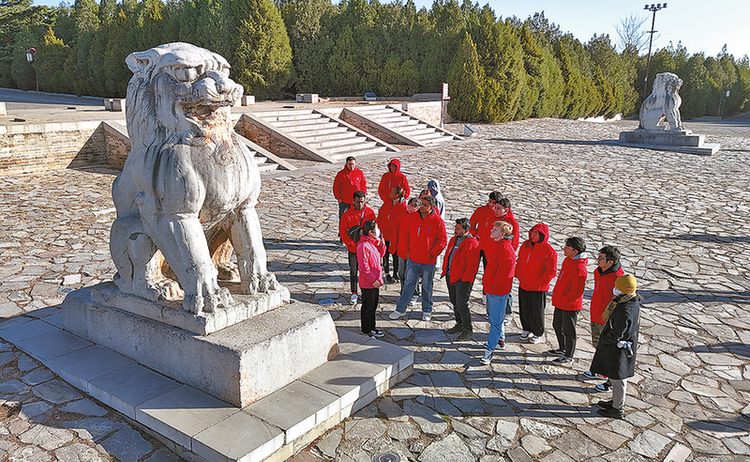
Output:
x=663 y=104
x=189 y=187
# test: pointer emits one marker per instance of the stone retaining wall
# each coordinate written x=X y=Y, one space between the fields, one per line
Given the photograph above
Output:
x=259 y=135
x=40 y=147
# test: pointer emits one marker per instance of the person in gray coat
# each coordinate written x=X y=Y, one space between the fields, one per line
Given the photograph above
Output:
x=616 y=353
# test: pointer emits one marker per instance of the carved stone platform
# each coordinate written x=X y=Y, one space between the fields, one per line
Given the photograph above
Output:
x=677 y=141
x=238 y=364
x=171 y=312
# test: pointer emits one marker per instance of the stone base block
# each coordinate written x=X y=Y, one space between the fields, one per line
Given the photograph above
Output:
x=239 y=364
x=245 y=307
x=3 y=111
x=248 y=100
x=676 y=141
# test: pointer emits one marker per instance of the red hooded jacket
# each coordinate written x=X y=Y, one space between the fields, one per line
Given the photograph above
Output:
x=537 y=264
x=425 y=237
x=513 y=222
x=391 y=180
x=387 y=217
x=501 y=265
x=481 y=225
x=369 y=254
x=604 y=282
x=568 y=292
x=353 y=217
x=348 y=182
x=465 y=262
x=398 y=246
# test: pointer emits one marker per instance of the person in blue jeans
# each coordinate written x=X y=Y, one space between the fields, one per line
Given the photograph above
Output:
x=498 y=283
x=425 y=238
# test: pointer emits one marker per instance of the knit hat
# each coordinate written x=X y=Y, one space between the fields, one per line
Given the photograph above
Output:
x=626 y=284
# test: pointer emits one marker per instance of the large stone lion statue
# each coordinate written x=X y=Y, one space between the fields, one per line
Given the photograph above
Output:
x=189 y=188
x=663 y=104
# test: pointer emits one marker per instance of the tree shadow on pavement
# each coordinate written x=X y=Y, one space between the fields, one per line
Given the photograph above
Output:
x=711 y=238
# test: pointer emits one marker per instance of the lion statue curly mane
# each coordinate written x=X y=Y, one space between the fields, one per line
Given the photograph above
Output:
x=661 y=110
x=189 y=188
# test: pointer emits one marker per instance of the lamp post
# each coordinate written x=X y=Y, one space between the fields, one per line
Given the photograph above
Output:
x=653 y=8
x=30 y=54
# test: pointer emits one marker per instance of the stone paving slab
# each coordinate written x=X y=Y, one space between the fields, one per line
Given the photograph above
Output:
x=679 y=219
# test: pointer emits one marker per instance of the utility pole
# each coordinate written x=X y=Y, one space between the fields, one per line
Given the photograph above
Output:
x=653 y=8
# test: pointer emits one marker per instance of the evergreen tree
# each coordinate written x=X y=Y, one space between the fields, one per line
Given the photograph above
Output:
x=262 y=58
x=441 y=42
x=15 y=17
x=696 y=88
x=467 y=82
x=311 y=45
x=51 y=52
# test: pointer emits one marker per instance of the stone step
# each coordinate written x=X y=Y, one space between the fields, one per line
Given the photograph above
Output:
x=338 y=130
x=403 y=122
x=275 y=115
x=307 y=121
x=347 y=147
x=364 y=152
x=418 y=130
x=312 y=127
x=316 y=136
x=357 y=139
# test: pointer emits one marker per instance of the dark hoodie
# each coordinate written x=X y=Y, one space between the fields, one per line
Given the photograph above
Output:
x=391 y=180
x=537 y=262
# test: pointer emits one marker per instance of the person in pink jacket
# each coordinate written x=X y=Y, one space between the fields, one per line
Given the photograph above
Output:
x=370 y=251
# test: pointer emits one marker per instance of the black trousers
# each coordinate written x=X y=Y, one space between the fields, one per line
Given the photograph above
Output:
x=459 y=293
x=531 y=306
x=370 y=299
x=386 y=258
x=564 y=323
x=353 y=272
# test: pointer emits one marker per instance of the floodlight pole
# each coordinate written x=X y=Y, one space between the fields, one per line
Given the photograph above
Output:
x=653 y=8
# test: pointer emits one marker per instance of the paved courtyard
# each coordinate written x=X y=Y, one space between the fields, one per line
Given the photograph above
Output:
x=680 y=221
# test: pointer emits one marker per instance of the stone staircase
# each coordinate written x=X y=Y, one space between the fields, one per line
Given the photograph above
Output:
x=311 y=134
x=396 y=126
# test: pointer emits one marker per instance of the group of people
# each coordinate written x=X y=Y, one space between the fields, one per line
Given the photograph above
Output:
x=411 y=233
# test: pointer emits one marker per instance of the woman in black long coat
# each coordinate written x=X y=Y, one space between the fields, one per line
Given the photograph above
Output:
x=616 y=352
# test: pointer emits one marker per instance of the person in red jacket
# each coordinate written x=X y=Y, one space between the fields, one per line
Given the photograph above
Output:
x=392 y=178
x=425 y=239
x=349 y=180
x=498 y=283
x=607 y=271
x=481 y=223
x=355 y=216
x=370 y=250
x=460 y=265
x=398 y=247
x=504 y=213
x=567 y=298
x=388 y=213
x=535 y=268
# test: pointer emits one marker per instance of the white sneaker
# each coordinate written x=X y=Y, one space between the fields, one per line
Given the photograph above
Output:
x=426 y=316
x=534 y=339
x=487 y=358
x=525 y=334
x=413 y=303
x=396 y=314
x=507 y=320
x=353 y=300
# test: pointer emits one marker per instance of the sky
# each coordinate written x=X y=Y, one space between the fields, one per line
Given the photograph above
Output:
x=701 y=26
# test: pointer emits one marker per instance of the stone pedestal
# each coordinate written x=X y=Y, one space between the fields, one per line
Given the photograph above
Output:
x=678 y=141
x=3 y=111
x=238 y=364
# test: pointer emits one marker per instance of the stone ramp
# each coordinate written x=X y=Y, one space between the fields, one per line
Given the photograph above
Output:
x=396 y=126
x=200 y=427
x=309 y=134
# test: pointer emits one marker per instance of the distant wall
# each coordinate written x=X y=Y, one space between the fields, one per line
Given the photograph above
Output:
x=39 y=147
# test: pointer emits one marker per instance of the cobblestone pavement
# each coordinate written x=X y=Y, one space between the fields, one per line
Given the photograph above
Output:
x=680 y=221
